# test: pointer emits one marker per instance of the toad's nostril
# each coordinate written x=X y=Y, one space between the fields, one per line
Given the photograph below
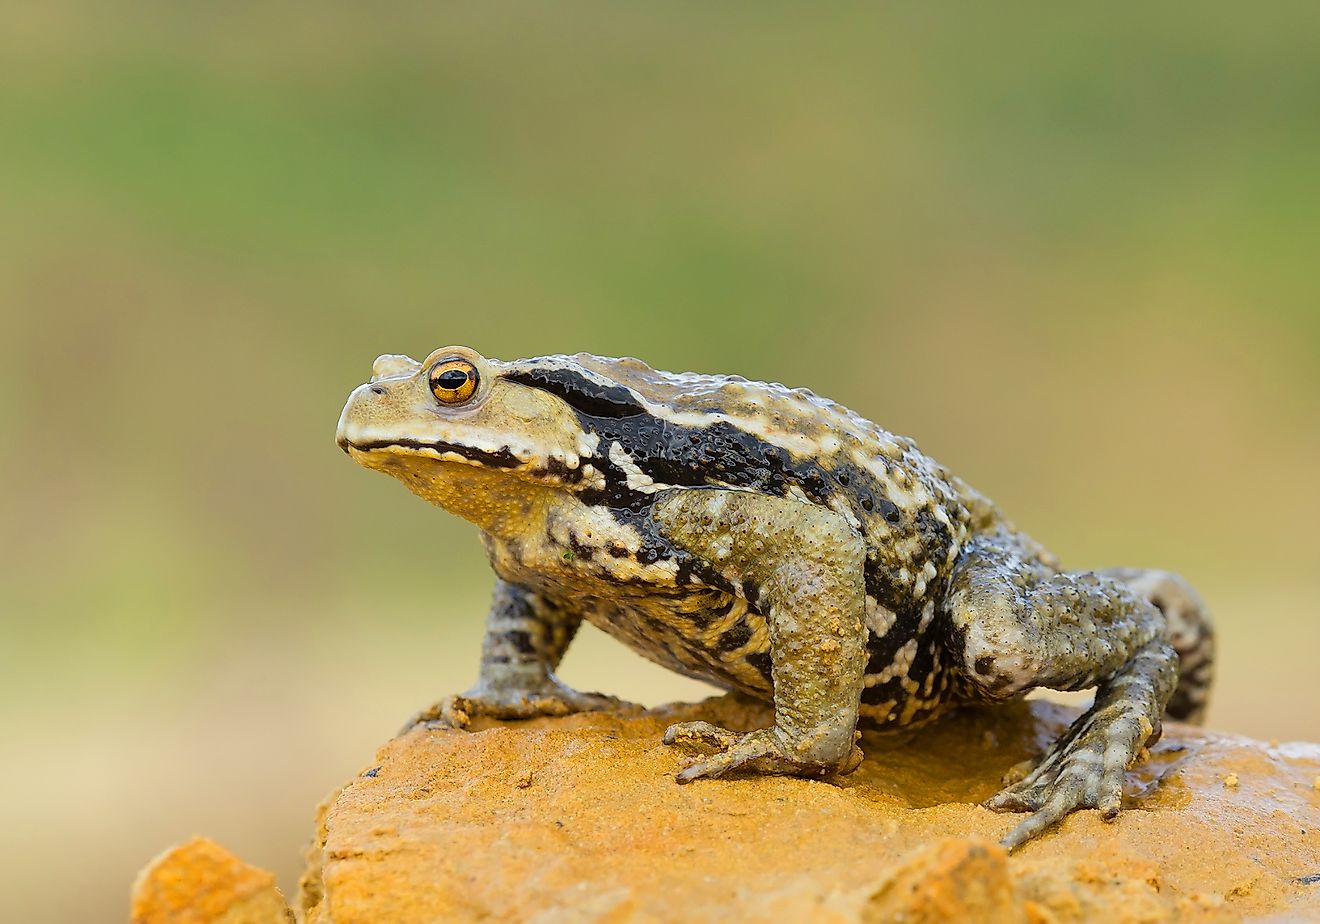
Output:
x=378 y=389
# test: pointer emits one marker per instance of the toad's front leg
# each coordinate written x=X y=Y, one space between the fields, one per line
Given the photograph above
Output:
x=526 y=637
x=806 y=563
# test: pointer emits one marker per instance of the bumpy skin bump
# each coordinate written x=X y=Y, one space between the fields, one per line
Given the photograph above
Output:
x=772 y=542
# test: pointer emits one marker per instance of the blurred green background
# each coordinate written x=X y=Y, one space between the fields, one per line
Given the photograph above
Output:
x=1072 y=252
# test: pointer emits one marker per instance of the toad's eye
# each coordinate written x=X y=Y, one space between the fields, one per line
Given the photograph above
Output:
x=453 y=381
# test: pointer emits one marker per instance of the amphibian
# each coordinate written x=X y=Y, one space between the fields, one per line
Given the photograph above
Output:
x=772 y=542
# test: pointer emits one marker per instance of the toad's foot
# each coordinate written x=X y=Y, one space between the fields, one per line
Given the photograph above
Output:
x=553 y=699
x=1084 y=769
x=766 y=750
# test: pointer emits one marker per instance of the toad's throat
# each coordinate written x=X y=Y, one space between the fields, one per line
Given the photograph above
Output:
x=478 y=485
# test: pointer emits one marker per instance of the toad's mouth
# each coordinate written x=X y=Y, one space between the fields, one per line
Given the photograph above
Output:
x=498 y=458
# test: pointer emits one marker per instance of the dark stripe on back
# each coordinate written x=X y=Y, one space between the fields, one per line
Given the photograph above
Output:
x=669 y=453
x=692 y=457
x=581 y=393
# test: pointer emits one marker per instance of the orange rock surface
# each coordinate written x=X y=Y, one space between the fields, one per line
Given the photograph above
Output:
x=579 y=819
x=201 y=883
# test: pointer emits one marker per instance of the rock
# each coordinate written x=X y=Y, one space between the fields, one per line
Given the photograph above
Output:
x=579 y=819
x=202 y=883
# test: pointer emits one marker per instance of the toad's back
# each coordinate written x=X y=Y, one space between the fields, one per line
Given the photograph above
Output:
x=690 y=429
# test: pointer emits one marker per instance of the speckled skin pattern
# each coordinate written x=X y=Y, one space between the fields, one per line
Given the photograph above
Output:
x=772 y=542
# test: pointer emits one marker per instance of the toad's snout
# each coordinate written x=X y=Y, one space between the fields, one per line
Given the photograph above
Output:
x=356 y=410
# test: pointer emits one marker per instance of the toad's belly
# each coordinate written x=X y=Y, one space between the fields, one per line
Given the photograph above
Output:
x=908 y=679
x=718 y=638
x=707 y=635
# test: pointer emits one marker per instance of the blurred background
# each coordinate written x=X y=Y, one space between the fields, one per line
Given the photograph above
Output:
x=1072 y=252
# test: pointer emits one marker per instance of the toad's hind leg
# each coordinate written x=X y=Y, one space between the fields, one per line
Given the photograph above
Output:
x=1189 y=630
x=807 y=564
x=1017 y=624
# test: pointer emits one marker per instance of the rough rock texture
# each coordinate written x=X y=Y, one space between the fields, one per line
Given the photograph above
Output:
x=579 y=819
x=201 y=883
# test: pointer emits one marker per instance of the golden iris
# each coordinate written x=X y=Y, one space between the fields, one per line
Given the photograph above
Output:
x=453 y=381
